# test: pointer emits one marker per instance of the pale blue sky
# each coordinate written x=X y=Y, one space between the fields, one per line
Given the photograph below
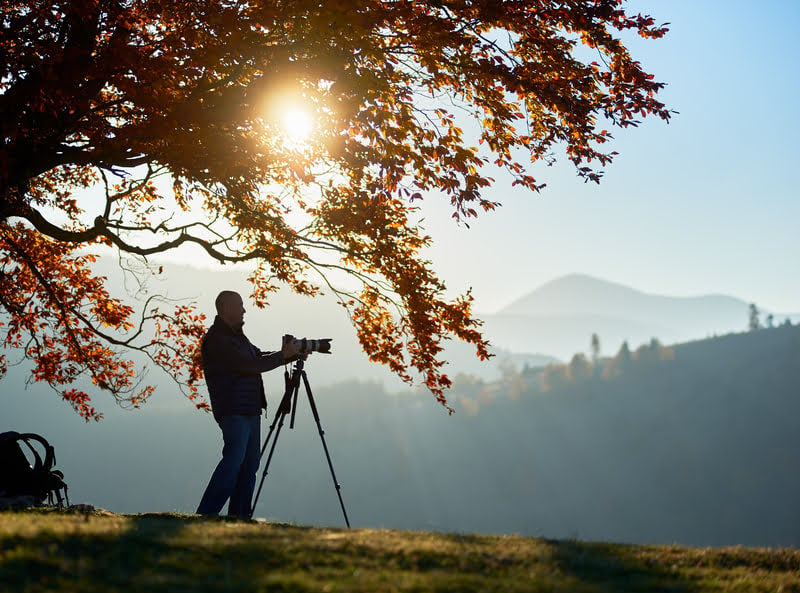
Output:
x=706 y=204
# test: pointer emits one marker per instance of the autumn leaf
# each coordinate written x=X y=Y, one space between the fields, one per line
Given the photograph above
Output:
x=166 y=110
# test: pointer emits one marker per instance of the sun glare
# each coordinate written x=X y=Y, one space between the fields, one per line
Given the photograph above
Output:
x=298 y=125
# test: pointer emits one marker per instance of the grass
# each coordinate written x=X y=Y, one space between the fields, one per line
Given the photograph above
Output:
x=48 y=550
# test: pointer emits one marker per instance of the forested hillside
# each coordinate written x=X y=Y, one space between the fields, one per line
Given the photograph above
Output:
x=694 y=443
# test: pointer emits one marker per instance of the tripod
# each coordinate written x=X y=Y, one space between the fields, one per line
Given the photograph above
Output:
x=289 y=403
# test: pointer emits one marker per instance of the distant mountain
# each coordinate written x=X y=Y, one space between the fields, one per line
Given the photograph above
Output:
x=319 y=317
x=560 y=317
x=551 y=323
x=578 y=294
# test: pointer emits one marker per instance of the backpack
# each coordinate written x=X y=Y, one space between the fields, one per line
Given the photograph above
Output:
x=18 y=478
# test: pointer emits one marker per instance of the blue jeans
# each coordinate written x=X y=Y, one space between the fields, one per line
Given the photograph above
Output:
x=234 y=478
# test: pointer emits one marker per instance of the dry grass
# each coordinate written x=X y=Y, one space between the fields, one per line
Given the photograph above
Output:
x=102 y=552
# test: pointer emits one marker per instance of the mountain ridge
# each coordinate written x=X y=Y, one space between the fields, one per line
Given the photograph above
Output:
x=552 y=322
x=561 y=315
x=583 y=293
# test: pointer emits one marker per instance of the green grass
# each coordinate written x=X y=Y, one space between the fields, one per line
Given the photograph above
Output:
x=103 y=552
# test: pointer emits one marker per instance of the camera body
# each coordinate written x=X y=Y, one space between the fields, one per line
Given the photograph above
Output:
x=306 y=345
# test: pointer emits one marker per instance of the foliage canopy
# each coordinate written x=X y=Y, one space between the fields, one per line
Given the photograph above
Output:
x=169 y=113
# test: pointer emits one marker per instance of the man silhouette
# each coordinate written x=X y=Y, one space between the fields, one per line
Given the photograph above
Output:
x=232 y=366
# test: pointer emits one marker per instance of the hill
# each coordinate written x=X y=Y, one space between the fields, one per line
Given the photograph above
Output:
x=319 y=317
x=553 y=322
x=576 y=294
x=166 y=553
x=560 y=316
x=696 y=442
x=698 y=449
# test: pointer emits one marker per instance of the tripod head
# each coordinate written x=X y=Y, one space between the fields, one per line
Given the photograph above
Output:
x=292 y=382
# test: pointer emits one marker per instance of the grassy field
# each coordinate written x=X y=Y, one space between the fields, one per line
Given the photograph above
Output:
x=103 y=552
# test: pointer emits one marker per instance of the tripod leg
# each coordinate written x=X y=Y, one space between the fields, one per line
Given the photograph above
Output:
x=324 y=445
x=292 y=385
x=272 y=449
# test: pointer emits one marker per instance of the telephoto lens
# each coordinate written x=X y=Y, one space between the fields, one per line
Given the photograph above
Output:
x=305 y=345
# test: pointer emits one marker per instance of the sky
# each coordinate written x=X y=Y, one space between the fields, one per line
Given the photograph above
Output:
x=704 y=204
x=707 y=204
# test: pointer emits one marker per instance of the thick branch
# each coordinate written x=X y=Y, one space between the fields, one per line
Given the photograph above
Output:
x=101 y=230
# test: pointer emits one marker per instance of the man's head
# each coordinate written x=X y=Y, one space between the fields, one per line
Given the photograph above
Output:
x=230 y=308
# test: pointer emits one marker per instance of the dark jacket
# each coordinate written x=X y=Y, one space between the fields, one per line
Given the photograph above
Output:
x=233 y=367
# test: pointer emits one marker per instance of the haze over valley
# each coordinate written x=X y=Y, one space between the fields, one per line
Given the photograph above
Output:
x=693 y=442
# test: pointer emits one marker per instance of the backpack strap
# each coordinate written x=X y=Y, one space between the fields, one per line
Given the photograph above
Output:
x=49 y=451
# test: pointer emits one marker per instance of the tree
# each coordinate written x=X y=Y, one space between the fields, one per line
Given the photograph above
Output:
x=620 y=364
x=753 y=322
x=579 y=369
x=139 y=127
x=652 y=353
x=554 y=377
x=595 y=345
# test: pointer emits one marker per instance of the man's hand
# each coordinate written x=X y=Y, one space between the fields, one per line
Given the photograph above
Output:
x=290 y=348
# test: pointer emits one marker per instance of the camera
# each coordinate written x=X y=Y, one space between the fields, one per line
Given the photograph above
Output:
x=306 y=345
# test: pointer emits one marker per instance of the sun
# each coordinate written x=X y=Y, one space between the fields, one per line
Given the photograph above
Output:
x=298 y=125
